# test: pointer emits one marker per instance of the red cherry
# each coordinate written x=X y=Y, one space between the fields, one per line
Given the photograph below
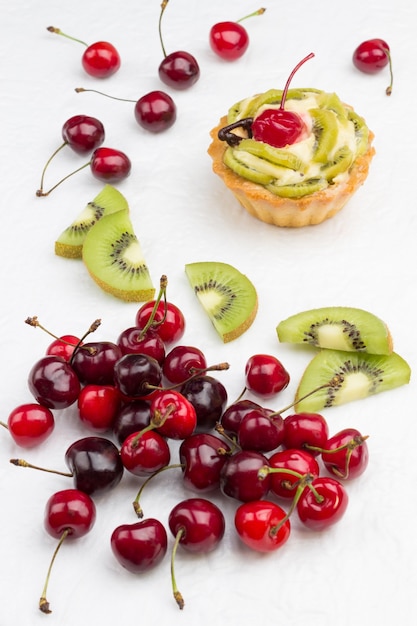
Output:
x=63 y=347
x=110 y=165
x=166 y=319
x=100 y=59
x=298 y=463
x=307 y=431
x=98 y=406
x=259 y=431
x=94 y=362
x=134 y=340
x=30 y=424
x=239 y=477
x=178 y=414
x=53 y=382
x=230 y=40
x=155 y=111
x=132 y=418
x=346 y=454
x=265 y=375
x=322 y=504
x=234 y=414
x=181 y=362
x=202 y=456
x=279 y=127
x=144 y=453
x=260 y=525
x=372 y=56
x=140 y=546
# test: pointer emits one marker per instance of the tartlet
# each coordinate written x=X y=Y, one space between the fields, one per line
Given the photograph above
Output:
x=303 y=183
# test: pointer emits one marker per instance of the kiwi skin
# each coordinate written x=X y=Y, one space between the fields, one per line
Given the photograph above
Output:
x=340 y=328
x=335 y=377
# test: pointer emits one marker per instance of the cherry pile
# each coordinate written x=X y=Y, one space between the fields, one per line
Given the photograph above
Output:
x=148 y=390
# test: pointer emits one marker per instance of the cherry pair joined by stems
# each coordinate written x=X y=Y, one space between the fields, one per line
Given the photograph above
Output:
x=100 y=59
x=230 y=40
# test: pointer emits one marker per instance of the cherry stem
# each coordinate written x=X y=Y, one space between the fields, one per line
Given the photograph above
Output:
x=304 y=482
x=4 y=425
x=58 y=31
x=287 y=84
x=40 y=190
x=163 y=283
x=163 y=7
x=334 y=382
x=101 y=93
x=23 y=463
x=349 y=447
x=43 y=602
x=177 y=595
x=220 y=429
x=90 y=330
x=258 y=12
x=40 y=193
x=158 y=419
x=136 y=506
x=388 y=90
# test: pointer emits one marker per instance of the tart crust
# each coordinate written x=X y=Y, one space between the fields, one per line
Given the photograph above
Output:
x=289 y=212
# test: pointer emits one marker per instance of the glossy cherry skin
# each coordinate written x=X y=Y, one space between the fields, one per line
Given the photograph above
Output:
x=110 y=165
x=98 y=406
x=95 y=463
x=101 y=59
x=278 y=127
x=145 y=453
x=352 y=460
x=202 y=524
x=83 y=133
x=306 y=431
x=134 y=339
x=168 y=322
x=181 y=362
x=203 y=456
x=239 y=476
x=209 y=397
x=140 y=546
x=179 y=70
x=179 y=415
x=131 y=418
x=258 y=431
x=234 y=414
x=319 y=514
x=30 y=424
x=155 y=111
x=229 y=40
x=69 y=510
x=284 y=484
x=53 y=382
x=265 y=375
x=371 y=56
x=63 y=347
x=255 y=522
x=136 y=374
x=94 y=362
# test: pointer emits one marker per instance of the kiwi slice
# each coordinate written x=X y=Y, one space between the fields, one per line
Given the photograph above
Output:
x=228 y=296
x=326 y=131
x=283 y=158
x=336 y=377
x=332 y=101
x=298 y=190
x=70 y=242
x=341 y=162
x=361 y=131
x=340 y=328
x=247 y=165
x=114 y=259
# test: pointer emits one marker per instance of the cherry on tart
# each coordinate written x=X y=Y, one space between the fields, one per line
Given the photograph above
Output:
x=100 y=59
x=198 y=526
x=30 y=424
x=69 y=514
x=81 y=133
x=262 y=525
x=140 y=546
x=371 y=56
x=155 y=111
x=322 y=503
x=179 y=70
x=230 y=40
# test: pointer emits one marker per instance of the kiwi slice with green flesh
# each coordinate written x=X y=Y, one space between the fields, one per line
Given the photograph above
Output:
x=341 y=162
x=339 y=328
x=247 y=165
x=228 y=296
x=283 y=158
x=298 y=190
x=114 y=259
x=326 y=131
x=332 y=101
x=70 y=242
x=336 y=377
x=361 y=131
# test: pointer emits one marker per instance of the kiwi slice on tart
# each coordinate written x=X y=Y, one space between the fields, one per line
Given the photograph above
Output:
x=339 y=328
x=326 y=131
x=298 y=190
x=228 y=296
x=335 y=377
x=70 y=242
x=341 y=162
x=114 y=259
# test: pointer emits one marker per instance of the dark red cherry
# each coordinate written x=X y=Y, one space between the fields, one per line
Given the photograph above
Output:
x=83 y=133
x=209 y=397
x=239 y=477
x=137 y=375
x=155 y=111
x=110 y=165
x=95 y=464
x=280 y=127
x=181 y=362
x=53 y=382
x=200 y=522
x=258 y=431
x=372 y=56
x=140 y=546
x=94 y=362
x=131 y=418
x=202 y=456
x=235 y=413
x=136 y=339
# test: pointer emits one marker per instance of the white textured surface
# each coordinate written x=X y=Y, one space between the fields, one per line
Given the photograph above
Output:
x=364 y=570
